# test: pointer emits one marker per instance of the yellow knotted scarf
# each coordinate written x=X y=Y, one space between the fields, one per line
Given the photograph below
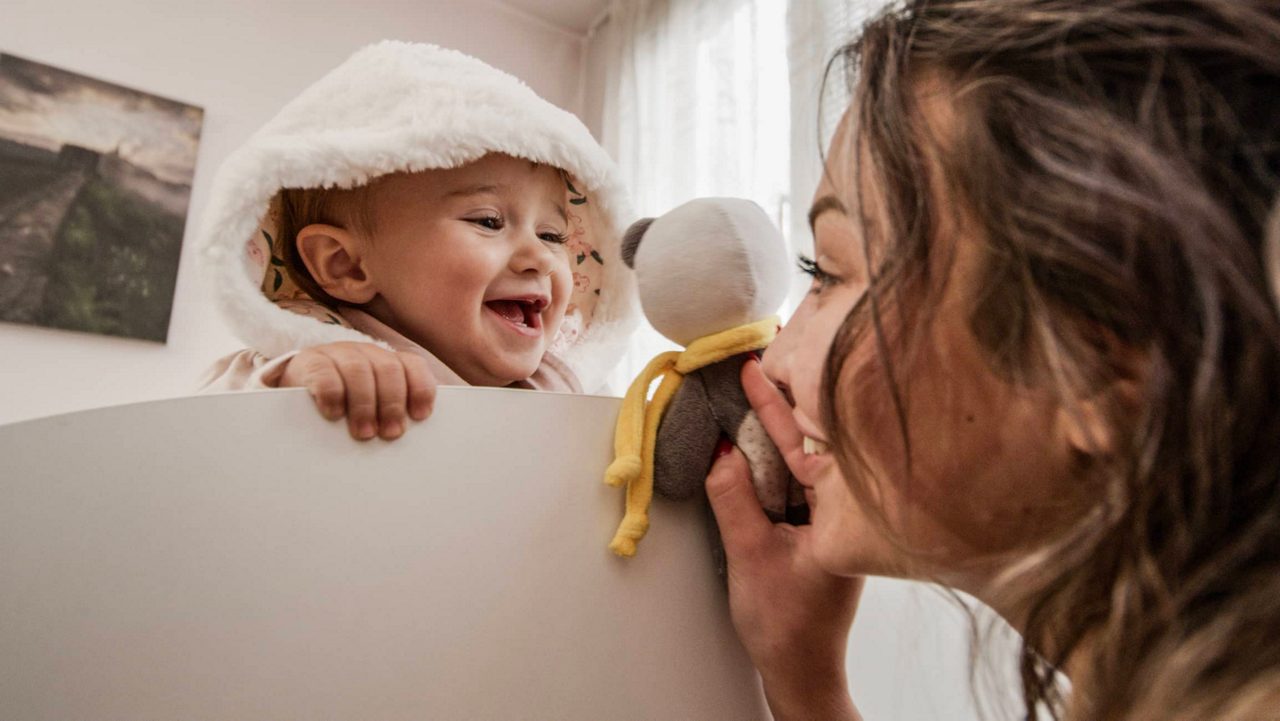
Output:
x=637 y=429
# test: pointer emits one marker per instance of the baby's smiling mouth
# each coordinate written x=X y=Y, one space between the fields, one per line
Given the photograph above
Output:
x=523 y=313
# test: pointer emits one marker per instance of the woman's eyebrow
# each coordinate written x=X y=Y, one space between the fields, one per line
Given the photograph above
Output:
x=822 y=205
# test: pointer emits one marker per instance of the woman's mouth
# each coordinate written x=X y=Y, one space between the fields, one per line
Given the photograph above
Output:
x=522 y=315
x=815 y=447
x=817 y=456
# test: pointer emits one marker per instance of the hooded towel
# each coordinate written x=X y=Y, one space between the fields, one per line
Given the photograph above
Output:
x=404 y=107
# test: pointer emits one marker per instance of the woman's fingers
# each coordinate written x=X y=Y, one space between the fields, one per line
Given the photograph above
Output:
x=792 y=616
x=743 y=524
x=775 y=415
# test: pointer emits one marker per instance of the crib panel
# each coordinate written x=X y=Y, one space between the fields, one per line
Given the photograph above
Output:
x=238 y=557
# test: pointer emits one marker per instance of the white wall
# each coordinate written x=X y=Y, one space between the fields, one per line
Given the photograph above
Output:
x=240 y=60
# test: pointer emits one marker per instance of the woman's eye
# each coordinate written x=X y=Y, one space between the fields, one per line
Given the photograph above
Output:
x=821 y=278
x=492 y=222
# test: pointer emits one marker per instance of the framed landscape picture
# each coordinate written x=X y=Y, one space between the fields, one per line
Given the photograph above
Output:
x=95 y=182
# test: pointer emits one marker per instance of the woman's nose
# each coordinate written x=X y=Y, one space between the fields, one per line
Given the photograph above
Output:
x=777 y=363
x=787 y=360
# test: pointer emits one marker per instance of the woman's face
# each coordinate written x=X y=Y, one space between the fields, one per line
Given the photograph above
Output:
x=989 y=470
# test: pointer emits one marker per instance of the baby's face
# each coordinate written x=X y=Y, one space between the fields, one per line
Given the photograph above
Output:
x=470 y=263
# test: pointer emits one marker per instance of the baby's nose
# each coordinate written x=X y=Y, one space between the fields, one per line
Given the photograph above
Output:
x=534 y=255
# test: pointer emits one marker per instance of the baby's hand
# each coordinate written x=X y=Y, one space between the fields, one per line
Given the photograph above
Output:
x=372 y=386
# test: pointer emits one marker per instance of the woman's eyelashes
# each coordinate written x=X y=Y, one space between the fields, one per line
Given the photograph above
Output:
x=821 y=278
x=496 y=222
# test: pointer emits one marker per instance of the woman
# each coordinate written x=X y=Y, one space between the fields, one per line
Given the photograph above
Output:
x=1040 y=358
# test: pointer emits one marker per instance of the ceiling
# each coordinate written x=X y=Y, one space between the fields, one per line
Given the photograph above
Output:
x=572 y=15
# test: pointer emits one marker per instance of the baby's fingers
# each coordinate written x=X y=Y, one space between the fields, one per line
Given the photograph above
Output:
x=318 y=373
x=393 y=392
x=422 y=386
x=361 y=390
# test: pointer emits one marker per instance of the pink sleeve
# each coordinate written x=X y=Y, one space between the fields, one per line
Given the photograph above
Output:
x=243 y=371
x=553 y=374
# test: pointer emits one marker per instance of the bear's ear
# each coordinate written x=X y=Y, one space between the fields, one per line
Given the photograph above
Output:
x=631 y=241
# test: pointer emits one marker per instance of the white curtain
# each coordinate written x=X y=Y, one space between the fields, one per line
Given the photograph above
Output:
x=719 y=97
x=816 y=30
x=691 y=97
x=695 y=99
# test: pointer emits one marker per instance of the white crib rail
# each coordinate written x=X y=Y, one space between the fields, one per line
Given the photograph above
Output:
x=236 y=557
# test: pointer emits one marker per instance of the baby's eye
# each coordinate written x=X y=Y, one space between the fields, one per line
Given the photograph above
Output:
x=553 y=237
x=492 y=222
x=821 y=278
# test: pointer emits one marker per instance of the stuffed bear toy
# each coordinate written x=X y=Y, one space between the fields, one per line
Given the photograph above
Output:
x=711 y=274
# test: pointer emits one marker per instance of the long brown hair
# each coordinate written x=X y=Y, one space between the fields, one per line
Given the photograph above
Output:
x=1121 y=160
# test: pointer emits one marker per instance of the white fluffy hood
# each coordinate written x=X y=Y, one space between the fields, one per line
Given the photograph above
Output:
x=394 y=107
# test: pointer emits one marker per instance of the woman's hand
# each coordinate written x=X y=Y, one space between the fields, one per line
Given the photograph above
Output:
x=792 y=616
x=373 y=387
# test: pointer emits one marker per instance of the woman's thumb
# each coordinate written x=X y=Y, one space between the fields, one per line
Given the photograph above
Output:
x=743 y=524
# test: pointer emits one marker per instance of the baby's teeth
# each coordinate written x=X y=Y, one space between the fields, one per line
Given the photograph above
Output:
x=813 y=446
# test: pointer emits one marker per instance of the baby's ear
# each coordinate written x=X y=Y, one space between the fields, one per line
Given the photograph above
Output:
x=631 y=241
x=334 y=258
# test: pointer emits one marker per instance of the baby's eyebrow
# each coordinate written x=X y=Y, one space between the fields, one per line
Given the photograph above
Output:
x=490 y=189
x=473 y=190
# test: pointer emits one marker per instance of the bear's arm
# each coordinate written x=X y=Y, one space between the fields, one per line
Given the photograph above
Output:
x=686 y=443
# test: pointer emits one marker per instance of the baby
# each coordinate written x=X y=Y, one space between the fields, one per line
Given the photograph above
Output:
x=417 y=217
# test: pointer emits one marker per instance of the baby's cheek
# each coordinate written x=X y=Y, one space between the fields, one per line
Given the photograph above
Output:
x=561 y=284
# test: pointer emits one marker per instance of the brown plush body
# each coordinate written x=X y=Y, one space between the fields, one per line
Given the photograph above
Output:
x=709 y=404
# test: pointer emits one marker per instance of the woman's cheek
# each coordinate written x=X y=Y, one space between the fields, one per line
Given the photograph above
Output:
x=872 y=414
x=816 y=324
x=870 y=418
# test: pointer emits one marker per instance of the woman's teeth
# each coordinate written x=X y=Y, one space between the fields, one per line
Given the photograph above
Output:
x=814 y=447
